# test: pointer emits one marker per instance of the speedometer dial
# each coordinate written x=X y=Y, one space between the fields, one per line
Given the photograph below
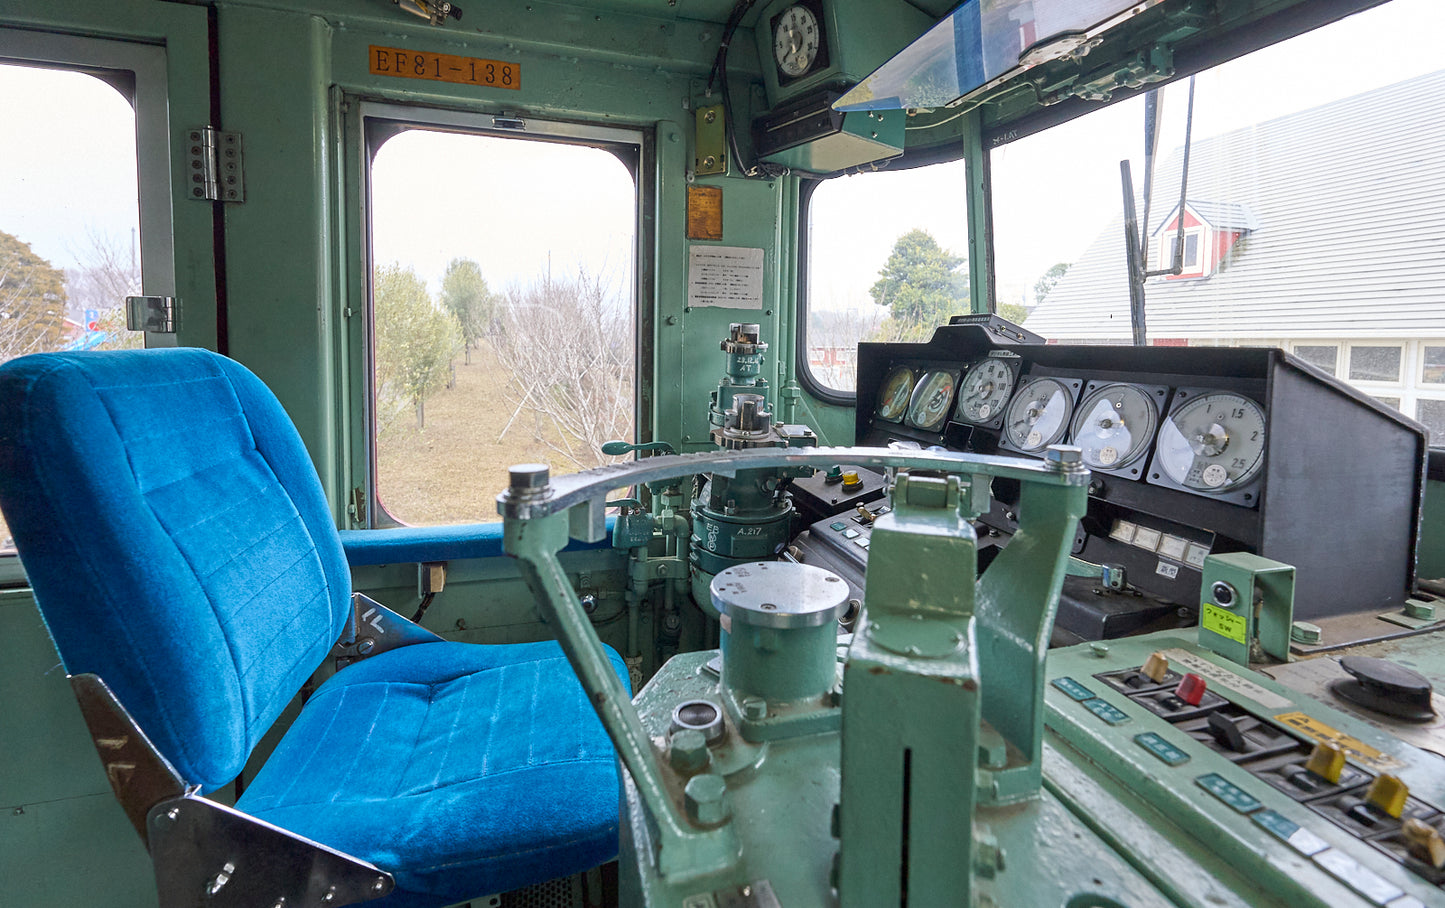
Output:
x=1213 y=443
x=929 y=406
x=893 y=394
x=1113 y=426
x=985 y=390
x=1038 y=415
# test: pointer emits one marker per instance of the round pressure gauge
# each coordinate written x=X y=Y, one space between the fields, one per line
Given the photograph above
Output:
x=930 y=401
x=1113 y=426
x=893 y=394
x=1038 y=415
x=1212 y=443
x=795 y=40
x=985 y=390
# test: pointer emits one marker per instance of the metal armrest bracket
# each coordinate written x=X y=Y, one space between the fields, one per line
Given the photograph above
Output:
x=373 y=629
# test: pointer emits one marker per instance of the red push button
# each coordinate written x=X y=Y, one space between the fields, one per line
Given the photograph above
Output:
x=1191 y=689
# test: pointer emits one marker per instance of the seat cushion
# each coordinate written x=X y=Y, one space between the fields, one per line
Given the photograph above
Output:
x=464 y=770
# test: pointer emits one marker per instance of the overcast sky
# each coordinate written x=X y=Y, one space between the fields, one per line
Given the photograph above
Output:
x=67 y=168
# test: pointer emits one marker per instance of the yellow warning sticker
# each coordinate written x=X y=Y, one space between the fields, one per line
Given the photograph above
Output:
x=1222 y=622
x=1356 y=749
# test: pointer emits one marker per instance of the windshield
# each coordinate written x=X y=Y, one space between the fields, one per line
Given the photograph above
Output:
x=1312 y=221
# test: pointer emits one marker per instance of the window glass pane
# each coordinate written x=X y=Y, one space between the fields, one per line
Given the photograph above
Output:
x=1431 y=413
x=69 y=215
x=1324 y=357
x=887 y=260
x=503 y=316
x=1390 y=401
x=1434 y=365
x=1292 y=245
x=1374 y=364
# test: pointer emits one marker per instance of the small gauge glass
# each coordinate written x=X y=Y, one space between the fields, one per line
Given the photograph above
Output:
x=894 y=393
x=929 y=406
x=1038 y=415
x=1213 y=443
x=1113 y=426
x=985 y=390
x=795 y=41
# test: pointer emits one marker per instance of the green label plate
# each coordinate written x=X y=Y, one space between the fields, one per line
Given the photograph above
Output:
x=1228 y=792
x=1161 y=748
x=1074 y=689
x=1106 y=711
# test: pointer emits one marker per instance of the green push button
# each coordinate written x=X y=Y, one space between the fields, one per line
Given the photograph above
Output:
x=838 y=525
x=1073 y=688
x=1161 y=748
x=1228 y=792
x=1106 y=711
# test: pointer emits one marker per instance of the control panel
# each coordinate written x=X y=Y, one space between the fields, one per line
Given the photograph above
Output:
x=1193 y=451
x=1288 y=792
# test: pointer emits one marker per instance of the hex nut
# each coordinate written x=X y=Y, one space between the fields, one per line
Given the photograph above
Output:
x=687 y=751
x=706 y=800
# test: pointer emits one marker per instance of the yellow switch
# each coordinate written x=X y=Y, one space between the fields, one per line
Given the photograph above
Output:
x=1155 y=667
x=1327 y=761
x=1425 y=842
x=1388 y=793
x=851 y=482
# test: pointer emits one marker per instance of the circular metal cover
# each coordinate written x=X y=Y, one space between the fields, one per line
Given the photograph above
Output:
x=779 y=594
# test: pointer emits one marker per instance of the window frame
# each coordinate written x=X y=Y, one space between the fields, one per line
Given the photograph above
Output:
x=138 y=71
x=371 y=126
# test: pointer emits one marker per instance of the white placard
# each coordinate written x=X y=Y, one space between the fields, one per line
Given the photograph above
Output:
x=729 y=276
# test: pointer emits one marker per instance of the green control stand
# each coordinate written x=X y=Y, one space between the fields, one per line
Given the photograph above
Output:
x=760 y=779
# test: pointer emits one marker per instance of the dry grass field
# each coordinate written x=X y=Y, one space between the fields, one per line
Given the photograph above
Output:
x=452 y=470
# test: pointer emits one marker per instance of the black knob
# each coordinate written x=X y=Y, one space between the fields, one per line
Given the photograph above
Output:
x=1386 y=687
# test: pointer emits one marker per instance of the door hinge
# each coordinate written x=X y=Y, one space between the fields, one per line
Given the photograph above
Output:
x=156 y=314
x=214 y=161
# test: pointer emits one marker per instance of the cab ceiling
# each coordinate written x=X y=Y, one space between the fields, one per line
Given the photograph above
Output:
x=718 y=10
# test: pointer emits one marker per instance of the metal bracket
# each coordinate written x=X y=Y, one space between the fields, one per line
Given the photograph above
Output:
x=156 y=314
x=138 y=774
x=213 y=159
x=206 y=853
x=1246 y=607
x=373 y=629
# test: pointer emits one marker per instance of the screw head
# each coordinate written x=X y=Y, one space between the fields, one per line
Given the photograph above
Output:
x=755 y=708
x=1304 y=632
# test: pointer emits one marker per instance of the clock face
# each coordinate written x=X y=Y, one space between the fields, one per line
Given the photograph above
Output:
x=796 y=40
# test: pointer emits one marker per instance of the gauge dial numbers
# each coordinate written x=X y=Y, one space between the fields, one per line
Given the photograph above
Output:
x=929 y=406
x=796 y=41
x=986 y=388
x=1114 y=425
x=1212 y=442
x=894 y=394
x=1038 y=416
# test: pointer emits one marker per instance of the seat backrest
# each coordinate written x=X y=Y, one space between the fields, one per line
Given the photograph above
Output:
x=177 y=539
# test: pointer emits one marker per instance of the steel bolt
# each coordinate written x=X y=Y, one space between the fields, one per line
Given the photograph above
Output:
x=528 y=477
x=993 y=754
x=1099 y=649
x=379 y=885
x=706 y=800
x=988 y=858
x=1064 y=458
x=755 y=708
x=688 y=751
x=1304 y=632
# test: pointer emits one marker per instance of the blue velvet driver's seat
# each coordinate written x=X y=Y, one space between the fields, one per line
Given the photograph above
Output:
x=179 y=545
